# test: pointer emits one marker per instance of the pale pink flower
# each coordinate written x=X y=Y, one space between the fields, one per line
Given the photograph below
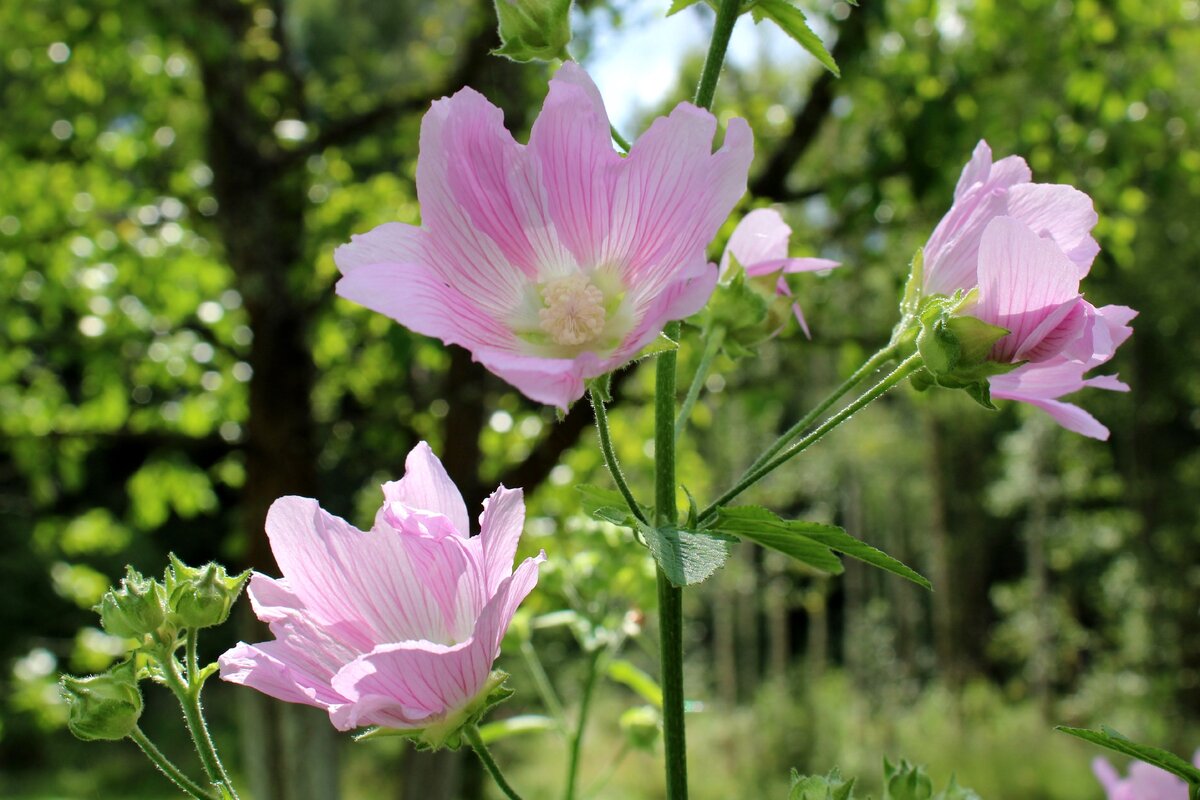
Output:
x=1026 y=247
x=556 y=261
x=395 y=627
x=760 y=244
x=988 y=190
x=1145 y=782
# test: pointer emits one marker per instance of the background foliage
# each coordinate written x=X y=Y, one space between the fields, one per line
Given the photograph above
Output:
x=172 y=358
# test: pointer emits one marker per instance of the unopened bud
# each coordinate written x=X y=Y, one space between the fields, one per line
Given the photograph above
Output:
x=136 y=609
x=106 y=706
x=534 y=30
x=201 y=597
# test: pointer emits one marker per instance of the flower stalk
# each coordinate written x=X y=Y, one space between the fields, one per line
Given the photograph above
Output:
x=188 y=693
x=610 y=456
x=471 y=732
x=712 y=346
x=164 y=764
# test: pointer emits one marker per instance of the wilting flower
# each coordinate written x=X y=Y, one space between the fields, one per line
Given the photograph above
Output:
x=760 y=244
x=1025 y=247
x=1145 y=782
x=396 y=627
x=556 y=261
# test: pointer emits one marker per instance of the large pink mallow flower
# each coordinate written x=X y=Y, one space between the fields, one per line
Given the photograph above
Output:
x=557 y=261
x=1026 y=247
x=1145 y=782
x=760 y=244
x=395 y=627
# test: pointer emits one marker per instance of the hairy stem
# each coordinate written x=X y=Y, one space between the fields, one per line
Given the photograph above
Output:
x=610 y=456
x=476 y=742
x=176 y=776
x=906 y=368
x=188 y=694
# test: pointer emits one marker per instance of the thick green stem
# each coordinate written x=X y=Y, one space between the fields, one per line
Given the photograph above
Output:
x=610 y=456
x=872 y=364
x=176 y=776
x=670 y=598
x=712 y=345
x=585 y=705
x=906 y=368
x=476 y=742
x=727 y=14
x=188 y=695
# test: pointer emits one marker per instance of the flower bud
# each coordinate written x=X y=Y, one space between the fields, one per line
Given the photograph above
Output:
x=135 y=610
x=904 y=781
x=201 y=597
x=640 y=725
x=103 y=707
x=534 y=30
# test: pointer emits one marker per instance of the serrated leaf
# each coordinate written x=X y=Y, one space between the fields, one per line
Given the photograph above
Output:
x=686 y=557
x=680 y=5
x=793 y=22
x=624 y=672
x=1163 y=759
x=764 y=530
x=606 y=505
x=759 y=524
x=515 y=726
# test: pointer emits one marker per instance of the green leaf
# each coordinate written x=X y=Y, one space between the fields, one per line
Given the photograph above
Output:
x=793 y=537
x=1163 y=759
x=515 y=726
x=624 y=672
x=680 y=5
x=795 y=24
x=686 y=557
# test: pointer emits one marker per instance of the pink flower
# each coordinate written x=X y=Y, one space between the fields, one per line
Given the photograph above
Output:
x=1026 y=247
x=556 y=261
x=1145 y=782
x=396 y=627
x=760 y=245
x=1003 y=189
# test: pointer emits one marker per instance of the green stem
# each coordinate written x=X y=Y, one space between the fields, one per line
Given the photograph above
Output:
x=906 y=368
x=621 y=141
x=873 y=363
x=610 y=456
x=585 y=704
x=670 y=597
x=727 y=14
x=712 y=346
x=476 y=742
x=544 y=687
x=188 y=695
x=176 y=776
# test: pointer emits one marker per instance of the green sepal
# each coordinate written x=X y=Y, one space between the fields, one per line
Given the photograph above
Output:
x=956 y=792
x=685 y=556
x=136 y=610
x=661 y=344
x=905 y=781
x=910 y=303
x=533 y=30
x=821 y=787
x=448 y=731
x=738 y=305
x=602 y=386
x=1155 y=756
x=812 y=543
x=104 y=707
x=201 y=597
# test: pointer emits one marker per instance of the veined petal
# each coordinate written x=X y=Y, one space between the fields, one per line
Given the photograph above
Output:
x=759 y=240
x=275 y=669
x=426 y=486
x=553 y=381
x=1059 y=212
x=389 y=243
x=501 y=524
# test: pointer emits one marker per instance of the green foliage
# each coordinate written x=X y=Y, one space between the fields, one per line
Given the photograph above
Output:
x=792 y=21
x=686 y=557
x=1163 y=759
x=534 y=30
x=808 y=542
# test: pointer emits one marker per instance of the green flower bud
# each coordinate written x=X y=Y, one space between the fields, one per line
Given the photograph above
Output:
x=821 y=787
x=534 y=30
x=103 y=707
x=905 y=781
x=640 y=726
x=135 y=610
x=201 y=597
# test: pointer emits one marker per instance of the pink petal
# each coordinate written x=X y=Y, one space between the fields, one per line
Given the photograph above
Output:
x=760 y=238
x=572 y=147
x=419 y=299
x=1026 y=285
x=426 y=486
x=412 y=680
x=1106 y=773
x=281 y=671
x=391 y=242
x=501 y=524
x=553 y=381
x=1059 y=212
x=980 y=171
x=672 y=195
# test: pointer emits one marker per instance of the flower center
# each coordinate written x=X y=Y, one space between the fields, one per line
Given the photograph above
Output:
x=574 y=311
